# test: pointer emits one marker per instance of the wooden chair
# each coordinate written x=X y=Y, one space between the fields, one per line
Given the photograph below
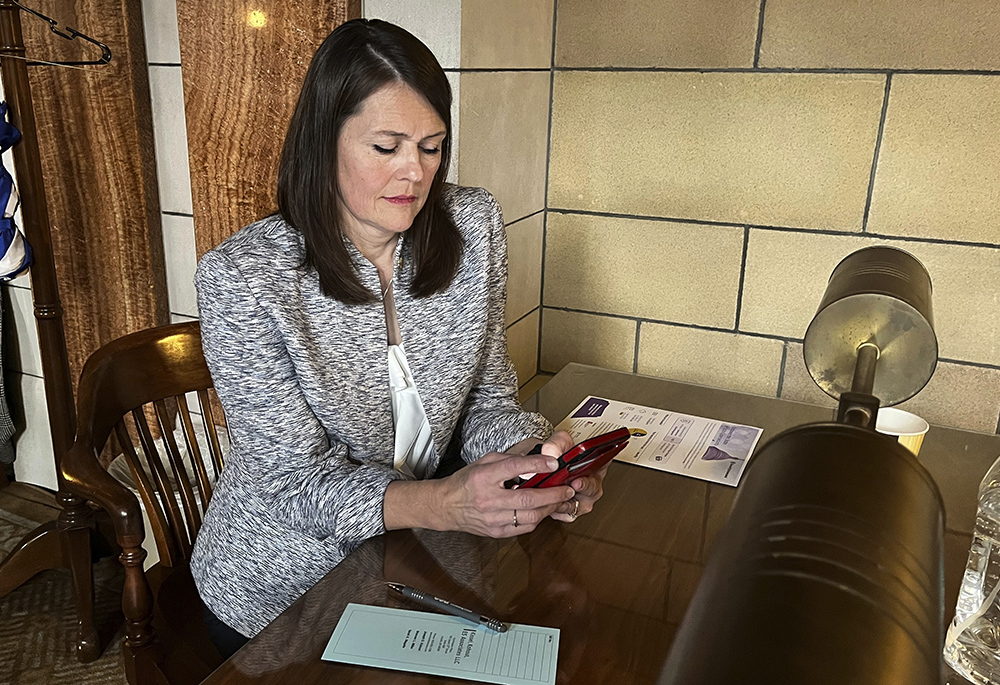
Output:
x=135 y=388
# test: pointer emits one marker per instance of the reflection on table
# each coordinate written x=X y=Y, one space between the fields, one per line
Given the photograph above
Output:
x=615 y=582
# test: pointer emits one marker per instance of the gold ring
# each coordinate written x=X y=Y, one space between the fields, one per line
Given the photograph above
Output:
x=576 y=508
x=515 y=518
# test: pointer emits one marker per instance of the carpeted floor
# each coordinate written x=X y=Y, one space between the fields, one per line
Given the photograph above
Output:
x=38 y=623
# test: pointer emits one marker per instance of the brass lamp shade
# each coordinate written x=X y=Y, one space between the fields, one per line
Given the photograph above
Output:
x=879 y=296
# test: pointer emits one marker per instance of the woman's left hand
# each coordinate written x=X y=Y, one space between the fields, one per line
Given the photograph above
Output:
x=588 y=490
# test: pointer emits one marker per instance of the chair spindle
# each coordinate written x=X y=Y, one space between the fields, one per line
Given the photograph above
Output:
x=194 y=450
x=167 y=499
x=165 y=544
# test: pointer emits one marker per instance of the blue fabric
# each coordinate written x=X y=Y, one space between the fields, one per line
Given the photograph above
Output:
x=15 y=252
x=9 y=135
x=9 y=237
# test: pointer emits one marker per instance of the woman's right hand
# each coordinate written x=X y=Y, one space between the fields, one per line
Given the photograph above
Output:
x=475 y=500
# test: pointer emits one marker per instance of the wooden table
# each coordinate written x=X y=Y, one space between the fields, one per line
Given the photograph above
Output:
x=615 y=582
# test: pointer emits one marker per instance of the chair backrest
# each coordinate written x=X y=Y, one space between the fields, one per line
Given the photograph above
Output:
x=136 y=387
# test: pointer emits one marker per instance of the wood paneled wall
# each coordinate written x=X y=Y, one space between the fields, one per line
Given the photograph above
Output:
x=96 y=145
x=242 y=65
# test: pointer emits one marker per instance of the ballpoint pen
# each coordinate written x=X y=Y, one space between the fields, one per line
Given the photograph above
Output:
x=449 y=608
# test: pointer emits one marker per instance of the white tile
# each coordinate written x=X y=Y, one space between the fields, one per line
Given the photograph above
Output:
x=180 y=318
x=181 y=261
x=454 y=78
x=159 y=21
x=25 y=356
x=170 y=139
x=438 y=23
x=35 y=462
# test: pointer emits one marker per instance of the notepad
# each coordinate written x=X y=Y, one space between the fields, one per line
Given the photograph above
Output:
x=436 y=644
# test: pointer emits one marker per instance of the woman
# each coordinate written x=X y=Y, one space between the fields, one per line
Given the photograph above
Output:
x=356 y=338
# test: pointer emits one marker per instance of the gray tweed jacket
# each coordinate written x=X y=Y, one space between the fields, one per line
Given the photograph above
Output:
x=304 y=382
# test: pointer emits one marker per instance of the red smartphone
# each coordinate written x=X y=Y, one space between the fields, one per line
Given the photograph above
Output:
x=582 y=460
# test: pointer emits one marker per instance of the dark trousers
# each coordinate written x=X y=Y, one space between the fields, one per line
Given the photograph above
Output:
x=225 y=639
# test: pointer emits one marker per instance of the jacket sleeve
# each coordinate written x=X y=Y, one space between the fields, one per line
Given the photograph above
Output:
x=281 y=451
x=492 y=419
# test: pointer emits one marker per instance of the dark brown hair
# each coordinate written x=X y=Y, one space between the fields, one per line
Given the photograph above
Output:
x=358 y=58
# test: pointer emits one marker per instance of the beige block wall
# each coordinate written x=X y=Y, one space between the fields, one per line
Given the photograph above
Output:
x=702 y=186
x=938 y=161
x=770 y=149
x=505 y=76
x=643 y=269
x=888 y=34
x=512 y=34
x=656 y=33
x=524 y=259
x=732 y=168
x=504 y=124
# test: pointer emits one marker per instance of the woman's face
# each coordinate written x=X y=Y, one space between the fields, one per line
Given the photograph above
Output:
x=387 y=155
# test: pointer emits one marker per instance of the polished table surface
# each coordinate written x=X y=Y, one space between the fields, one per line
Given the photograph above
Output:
x=615 y=582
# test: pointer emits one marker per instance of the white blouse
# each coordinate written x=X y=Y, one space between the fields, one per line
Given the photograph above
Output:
x=414 y=448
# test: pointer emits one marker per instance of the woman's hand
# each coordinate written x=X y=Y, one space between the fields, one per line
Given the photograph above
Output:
x=476 y=501
x=588 y=490
x=558 y=444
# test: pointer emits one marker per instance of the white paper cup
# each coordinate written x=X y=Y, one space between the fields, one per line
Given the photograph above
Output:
x=908 y=428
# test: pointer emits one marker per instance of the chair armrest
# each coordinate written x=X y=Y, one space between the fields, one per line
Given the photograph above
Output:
x=86 y=478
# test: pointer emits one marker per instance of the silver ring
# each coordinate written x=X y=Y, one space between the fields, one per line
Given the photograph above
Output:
x=576 y=508
x=515 y=518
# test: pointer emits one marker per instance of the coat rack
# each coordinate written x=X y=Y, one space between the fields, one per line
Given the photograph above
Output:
x=64 y=543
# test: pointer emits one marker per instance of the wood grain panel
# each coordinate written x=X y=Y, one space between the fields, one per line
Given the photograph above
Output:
x=96 y=149
x=243 y=62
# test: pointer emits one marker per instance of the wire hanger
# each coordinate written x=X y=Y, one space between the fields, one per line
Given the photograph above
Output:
x=68 y=34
